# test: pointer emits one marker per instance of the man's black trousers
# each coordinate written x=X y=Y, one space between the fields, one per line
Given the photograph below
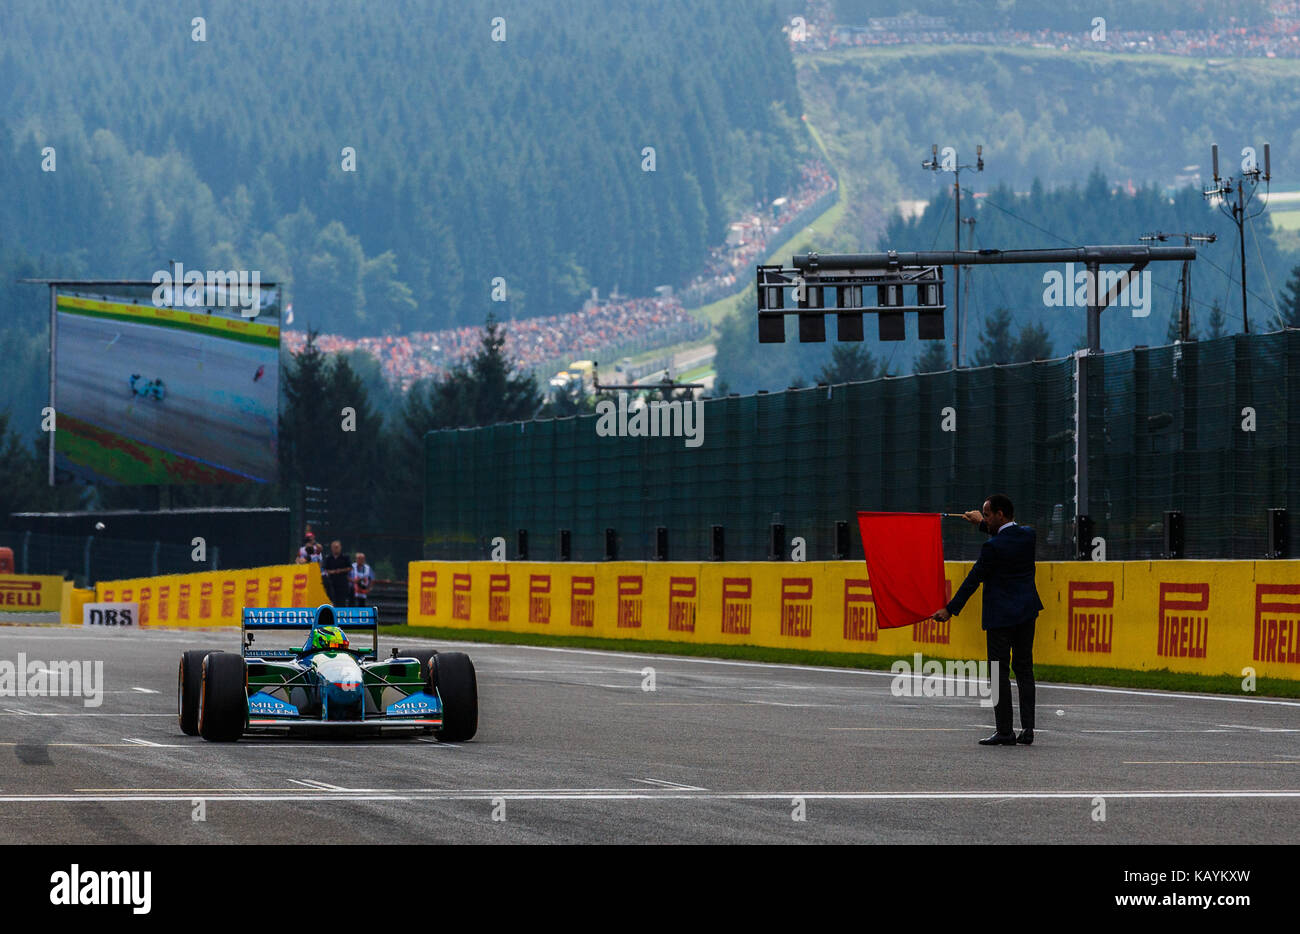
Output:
x=1012 y=648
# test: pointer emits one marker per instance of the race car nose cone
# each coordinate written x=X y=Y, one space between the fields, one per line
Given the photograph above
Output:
x=344 y=699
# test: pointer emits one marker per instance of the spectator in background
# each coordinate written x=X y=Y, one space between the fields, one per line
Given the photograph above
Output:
x=307 y=547
x=361 y=577
x=335 y=569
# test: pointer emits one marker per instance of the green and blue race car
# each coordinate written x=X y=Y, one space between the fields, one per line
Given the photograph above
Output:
x=327 y=684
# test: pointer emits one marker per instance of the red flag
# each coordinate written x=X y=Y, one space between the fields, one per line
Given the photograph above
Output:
x=904 y=552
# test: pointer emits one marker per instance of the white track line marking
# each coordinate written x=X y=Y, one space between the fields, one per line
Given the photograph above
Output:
x=136 y=741
x=145 y=690
x=667 y=784
x=1215 y=762
x=903 y=729
x=663 y=795
x=1159 y=731
x=81 y=713
x=319 y=786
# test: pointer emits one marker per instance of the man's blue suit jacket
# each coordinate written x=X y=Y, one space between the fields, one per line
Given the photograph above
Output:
x=1006 y=569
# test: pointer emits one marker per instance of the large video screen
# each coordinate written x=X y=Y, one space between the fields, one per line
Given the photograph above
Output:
x=156 y=386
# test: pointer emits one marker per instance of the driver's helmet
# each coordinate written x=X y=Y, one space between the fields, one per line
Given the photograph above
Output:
x=327 y=638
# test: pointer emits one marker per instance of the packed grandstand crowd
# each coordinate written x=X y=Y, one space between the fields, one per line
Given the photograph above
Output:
x=1279 y=38
x=616 y=325
x=731 y=266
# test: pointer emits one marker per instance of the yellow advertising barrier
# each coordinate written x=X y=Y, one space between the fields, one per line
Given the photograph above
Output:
x=1204 y=617
x=31 y=593
x=214 y=598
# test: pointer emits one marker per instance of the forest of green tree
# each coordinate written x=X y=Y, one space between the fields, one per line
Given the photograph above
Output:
x=475 y=159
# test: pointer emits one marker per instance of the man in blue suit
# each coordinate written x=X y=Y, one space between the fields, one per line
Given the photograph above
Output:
x=1011 y=605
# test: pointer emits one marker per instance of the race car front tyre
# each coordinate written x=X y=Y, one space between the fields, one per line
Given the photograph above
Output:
x=425 y=658
x=189 y=680
x=457 y=687
x=223 y=700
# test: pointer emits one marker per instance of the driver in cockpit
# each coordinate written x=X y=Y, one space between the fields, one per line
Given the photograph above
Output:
x=325 y=636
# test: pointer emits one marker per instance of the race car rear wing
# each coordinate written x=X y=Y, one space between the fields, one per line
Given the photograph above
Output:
x=304 y=618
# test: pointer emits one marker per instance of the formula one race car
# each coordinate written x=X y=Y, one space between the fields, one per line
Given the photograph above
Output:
x=327 y=684
x=144 y=388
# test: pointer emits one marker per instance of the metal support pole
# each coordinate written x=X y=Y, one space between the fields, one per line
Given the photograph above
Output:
x=54 y=330
x=1240 y=216
x=1094 y=307
x=1184 y=308
x=1081 y=433
x=956 y=318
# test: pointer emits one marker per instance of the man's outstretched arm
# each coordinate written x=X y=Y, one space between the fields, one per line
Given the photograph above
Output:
x=968 y=586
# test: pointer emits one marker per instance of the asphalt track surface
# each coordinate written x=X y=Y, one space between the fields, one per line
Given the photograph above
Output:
x=571 y=748
x=212 y=408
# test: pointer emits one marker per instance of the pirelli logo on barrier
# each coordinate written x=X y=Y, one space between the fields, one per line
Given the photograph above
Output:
x=796 y=607
x=931 y=631
x=1184 y=621
x=582 y=602
x=21 y=595
x=1277 y=623
x=737 y=610
x=299 y=590
x=860 y=624
x=1088 y=627
x=460 y=594
x=498 y=598
x=630 y=601
x=36 y=593
x=682 y=592
x=539 y=599
x=189 y=599
x=428 y=593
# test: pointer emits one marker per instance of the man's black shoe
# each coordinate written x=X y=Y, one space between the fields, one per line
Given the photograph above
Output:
x=1026 y=738
x=1000 y=739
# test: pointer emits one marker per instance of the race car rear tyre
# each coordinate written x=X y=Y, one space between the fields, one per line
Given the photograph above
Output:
x=223 y=700
x=189 y=681
x=457 y=687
